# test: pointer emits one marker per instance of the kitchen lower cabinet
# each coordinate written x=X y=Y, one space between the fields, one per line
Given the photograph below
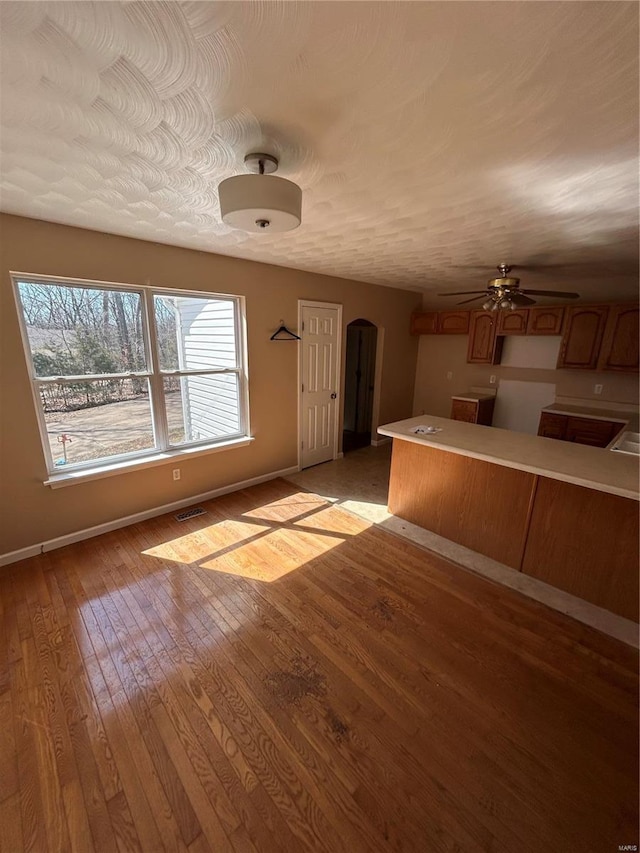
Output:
x=596 y=433
x=473 y=411
x=552 y=426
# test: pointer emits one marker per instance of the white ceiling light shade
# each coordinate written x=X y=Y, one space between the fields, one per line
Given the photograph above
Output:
x=260 y=201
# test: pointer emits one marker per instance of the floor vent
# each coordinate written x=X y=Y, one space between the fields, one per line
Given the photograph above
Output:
x=189 y=513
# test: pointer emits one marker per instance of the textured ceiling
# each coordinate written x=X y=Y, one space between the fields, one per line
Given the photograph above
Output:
x=426 y=136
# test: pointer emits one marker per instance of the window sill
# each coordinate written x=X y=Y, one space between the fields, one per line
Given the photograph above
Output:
x=70 y=478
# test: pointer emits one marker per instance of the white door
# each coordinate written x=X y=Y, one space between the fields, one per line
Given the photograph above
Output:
x=320 y=360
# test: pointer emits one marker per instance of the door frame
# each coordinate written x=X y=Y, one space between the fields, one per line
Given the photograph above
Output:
x=377 y=390
x=376 y=439
x=311 y=303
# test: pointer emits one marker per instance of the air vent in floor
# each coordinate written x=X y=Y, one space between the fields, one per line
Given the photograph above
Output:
x=189 y=513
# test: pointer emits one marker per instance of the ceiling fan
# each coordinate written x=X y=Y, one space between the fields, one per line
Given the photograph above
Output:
x=504 y=292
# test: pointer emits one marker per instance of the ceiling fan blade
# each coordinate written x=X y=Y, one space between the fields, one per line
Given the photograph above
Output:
x=473 y=299
x=461 y=293
x=558 y=293
x=520 y=299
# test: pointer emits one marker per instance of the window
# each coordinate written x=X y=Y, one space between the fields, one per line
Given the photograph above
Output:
x=122 y=373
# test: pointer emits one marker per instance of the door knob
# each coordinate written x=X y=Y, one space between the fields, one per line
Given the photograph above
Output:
x=334 y=395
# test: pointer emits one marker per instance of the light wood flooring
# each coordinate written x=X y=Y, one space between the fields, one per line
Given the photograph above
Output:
x=280 y=675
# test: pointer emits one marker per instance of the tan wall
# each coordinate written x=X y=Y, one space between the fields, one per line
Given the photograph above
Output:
x=439 y=354
x=31 y=513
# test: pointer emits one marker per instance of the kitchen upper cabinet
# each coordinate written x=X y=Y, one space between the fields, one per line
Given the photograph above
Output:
x=583 y=330
x=453 y=323
x=513 y=322
x=440 y=323
x=424 y=323
x=485 y=347
x=620 y=344
x=594 y=337
x=545 y=320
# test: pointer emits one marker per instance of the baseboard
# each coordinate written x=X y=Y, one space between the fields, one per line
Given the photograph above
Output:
x=89 y=532
x=380 y=441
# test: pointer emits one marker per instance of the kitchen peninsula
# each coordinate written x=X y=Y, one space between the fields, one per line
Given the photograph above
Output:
x=566 y=514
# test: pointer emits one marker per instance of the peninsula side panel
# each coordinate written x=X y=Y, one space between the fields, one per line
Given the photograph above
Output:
x=477 y=504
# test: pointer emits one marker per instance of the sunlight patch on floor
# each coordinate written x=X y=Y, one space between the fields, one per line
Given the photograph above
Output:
x=273 y=555
x=208 y=541
x=287 y=508
x=265 y=542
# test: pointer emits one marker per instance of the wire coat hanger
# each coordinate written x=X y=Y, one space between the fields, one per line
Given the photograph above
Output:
x=284 y=334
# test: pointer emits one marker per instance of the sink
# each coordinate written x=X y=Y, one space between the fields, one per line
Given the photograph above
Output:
x=627 y=442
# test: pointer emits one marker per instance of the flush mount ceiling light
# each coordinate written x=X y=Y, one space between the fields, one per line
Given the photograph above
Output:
x=260 y=201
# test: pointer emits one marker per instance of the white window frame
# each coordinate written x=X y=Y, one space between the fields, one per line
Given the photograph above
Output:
x=162 y=451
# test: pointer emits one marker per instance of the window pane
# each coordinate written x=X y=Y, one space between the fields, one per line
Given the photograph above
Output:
x=99 y=418
x=76 y=330
x=202 y=407
x=195 y=333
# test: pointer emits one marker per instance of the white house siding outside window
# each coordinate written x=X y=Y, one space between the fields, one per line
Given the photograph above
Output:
x=124 y=372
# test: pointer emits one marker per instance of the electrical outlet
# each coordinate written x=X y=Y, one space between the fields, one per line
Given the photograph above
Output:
x=492 y=380
x=597 y=389
x=176 y=473
x=449 y=375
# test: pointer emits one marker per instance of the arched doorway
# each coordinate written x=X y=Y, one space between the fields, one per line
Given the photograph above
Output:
x=360 y=363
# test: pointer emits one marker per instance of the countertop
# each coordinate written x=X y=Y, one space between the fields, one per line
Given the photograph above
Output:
x=630 y=418
x=592 y=467
x=472 y=397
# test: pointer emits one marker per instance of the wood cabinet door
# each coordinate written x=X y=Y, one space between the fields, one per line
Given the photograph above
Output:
x=545 y=320
x=484 y=413
x=593 y=433
x=453 y=322
x=513 y=322
x=484 y=346
x=424 y=323
x=583 y=330
x=552 y=426
x=620 y=345
x=464 y=410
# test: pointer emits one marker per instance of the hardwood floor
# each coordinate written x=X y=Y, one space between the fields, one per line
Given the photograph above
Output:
x=277 y=675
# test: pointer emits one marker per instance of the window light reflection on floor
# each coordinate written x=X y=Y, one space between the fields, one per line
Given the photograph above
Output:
x=264 y=543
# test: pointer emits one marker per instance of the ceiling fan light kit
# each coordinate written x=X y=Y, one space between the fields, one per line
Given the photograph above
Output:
x=260 y=201
x=504 y=293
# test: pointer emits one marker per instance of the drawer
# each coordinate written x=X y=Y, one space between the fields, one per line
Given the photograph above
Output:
x=591 y=432
x=464 y=410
